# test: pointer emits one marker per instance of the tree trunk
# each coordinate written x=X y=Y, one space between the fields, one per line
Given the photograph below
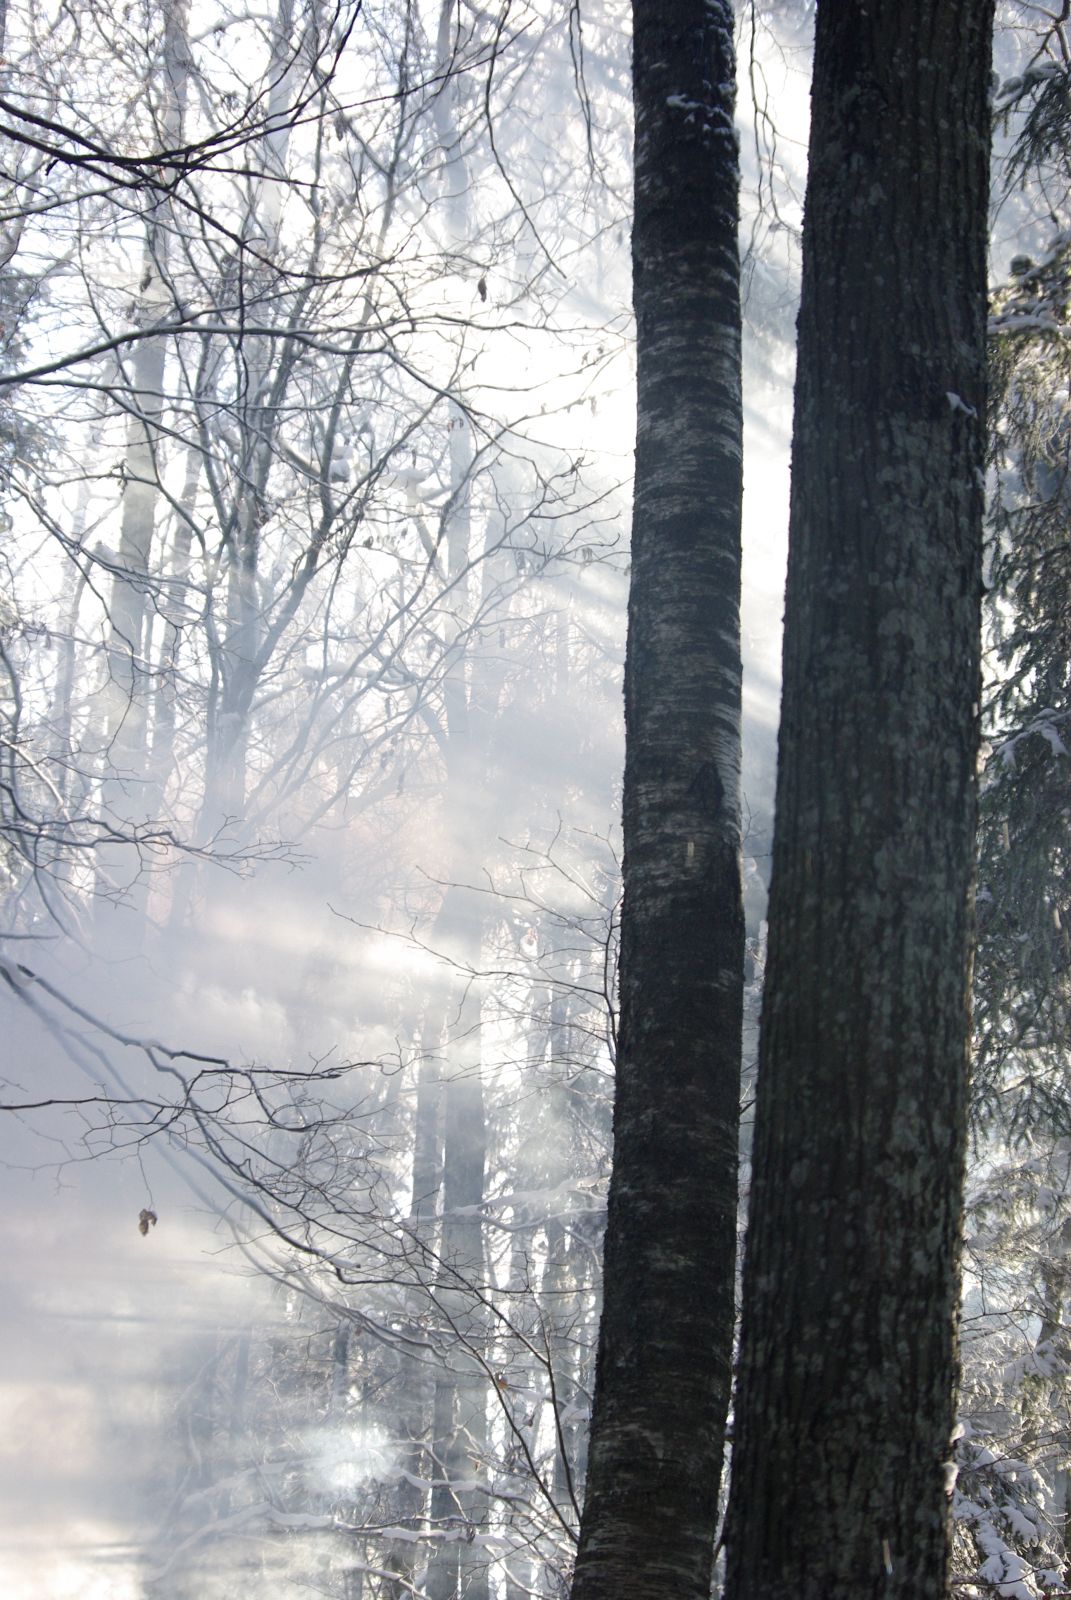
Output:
x=663 y=1371
x=848 y=1363
x=460 y=1409
x=459 y=1502
x=125 y=789
x=264 y=369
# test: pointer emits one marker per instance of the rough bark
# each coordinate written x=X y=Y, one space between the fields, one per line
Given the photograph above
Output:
x=845 y=1404
x=663 y=1367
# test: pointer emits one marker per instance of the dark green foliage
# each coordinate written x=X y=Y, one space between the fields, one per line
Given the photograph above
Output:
x=1023 y=972
x=1043 y=95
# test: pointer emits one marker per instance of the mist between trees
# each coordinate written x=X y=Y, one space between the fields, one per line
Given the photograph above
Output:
x=317 y=414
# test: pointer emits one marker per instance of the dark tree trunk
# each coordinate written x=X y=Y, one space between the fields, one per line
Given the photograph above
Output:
x=848 y=1364
x=663 y=1368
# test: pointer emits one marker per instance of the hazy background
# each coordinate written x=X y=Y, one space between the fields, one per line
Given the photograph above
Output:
x=104 y=1333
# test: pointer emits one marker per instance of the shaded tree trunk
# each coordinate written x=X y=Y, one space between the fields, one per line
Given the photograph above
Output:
x=663 y=1369
x=459 y=1426
x=848 y=1364
x=459 y=1502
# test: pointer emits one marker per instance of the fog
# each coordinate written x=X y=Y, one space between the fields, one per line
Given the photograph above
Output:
x=298 y=960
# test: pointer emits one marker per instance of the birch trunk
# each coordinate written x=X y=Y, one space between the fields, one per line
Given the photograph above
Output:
x=125 y=787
